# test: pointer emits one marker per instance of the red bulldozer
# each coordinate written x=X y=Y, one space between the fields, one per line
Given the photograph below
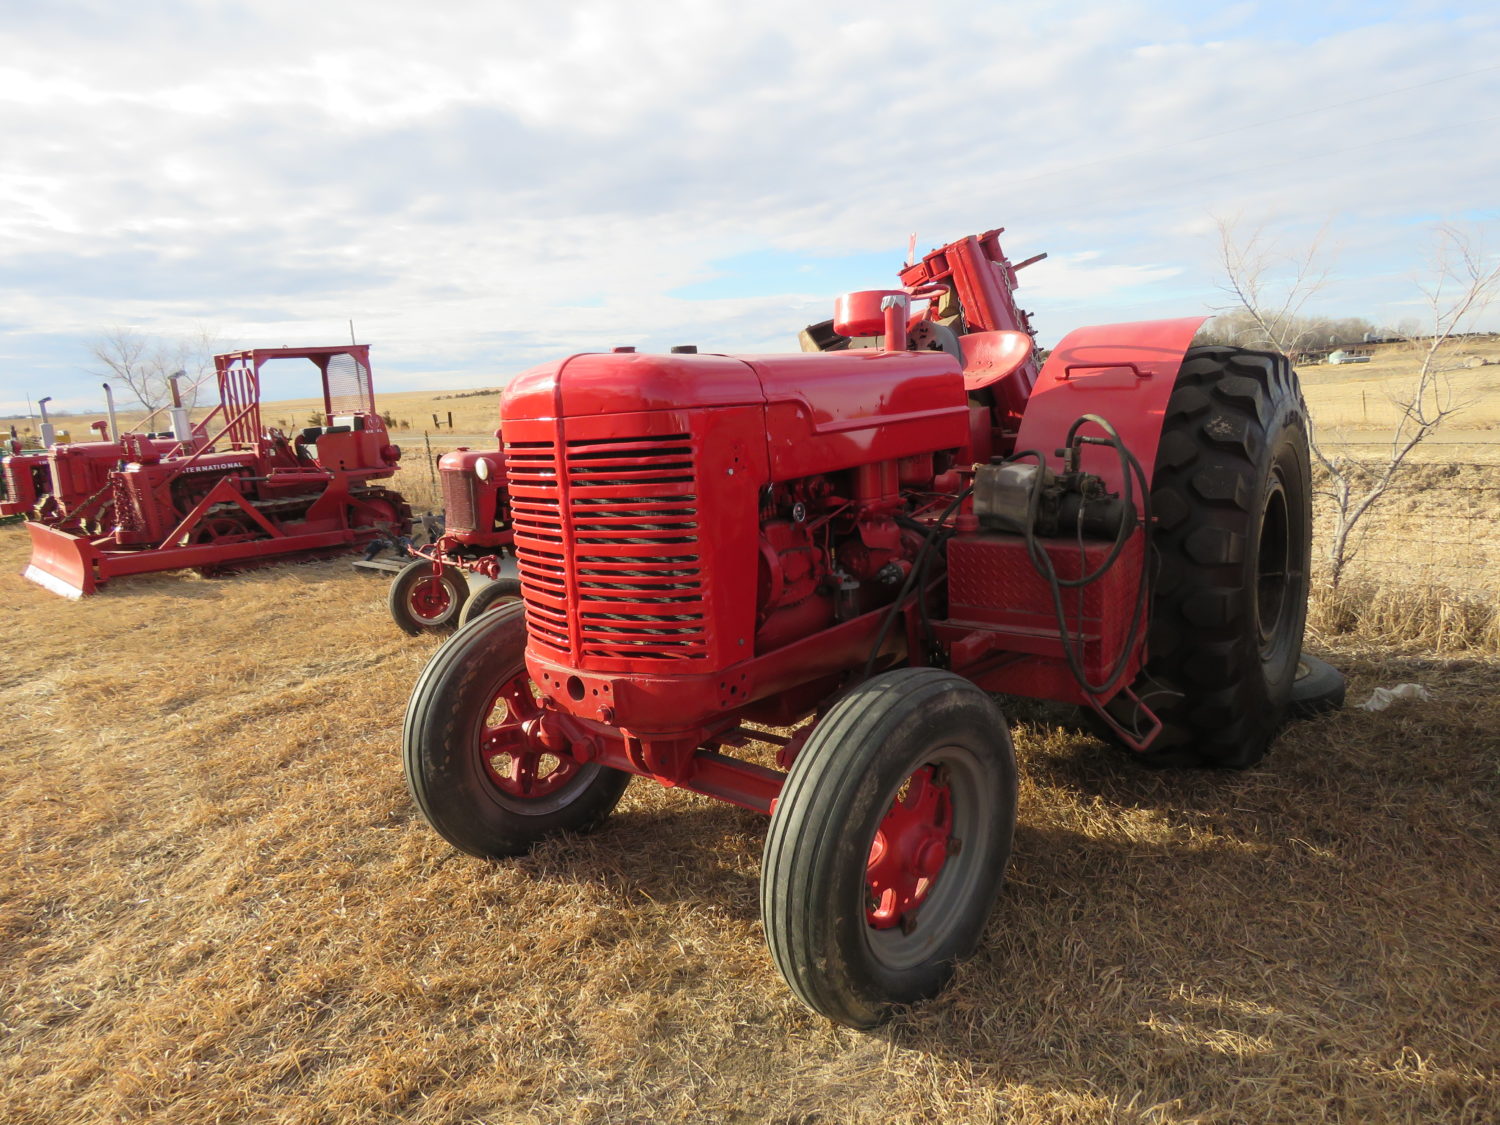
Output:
x=871 y=539
x=67 y=485
x=225 y=491
x=470 y=567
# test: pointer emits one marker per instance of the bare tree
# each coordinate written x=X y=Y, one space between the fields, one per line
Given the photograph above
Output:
x=1464 y=284
x=1271 y=304
x=145 y=364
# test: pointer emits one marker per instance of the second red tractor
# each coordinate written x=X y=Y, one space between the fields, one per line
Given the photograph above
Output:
x=470 y=567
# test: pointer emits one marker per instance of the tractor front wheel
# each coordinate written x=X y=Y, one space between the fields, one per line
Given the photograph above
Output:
x=888 y=844
x=473 y=765
x=494 y=593
x=423 y=602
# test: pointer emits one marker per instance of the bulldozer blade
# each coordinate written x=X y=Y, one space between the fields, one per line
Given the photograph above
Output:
x=61 y=562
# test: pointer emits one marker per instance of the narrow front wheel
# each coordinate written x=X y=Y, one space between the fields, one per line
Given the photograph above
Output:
x=424 y=601
x=888 y=844
x=494 y=593
x=473 y=767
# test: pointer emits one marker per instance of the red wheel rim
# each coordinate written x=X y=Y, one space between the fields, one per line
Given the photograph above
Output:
x=429 y=599
x=514 y=763
x=910 y=848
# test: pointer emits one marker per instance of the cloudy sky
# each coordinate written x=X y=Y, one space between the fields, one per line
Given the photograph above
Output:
x=481 y=186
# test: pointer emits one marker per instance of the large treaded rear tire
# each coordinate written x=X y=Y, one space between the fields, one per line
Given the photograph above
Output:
x=1232 y=499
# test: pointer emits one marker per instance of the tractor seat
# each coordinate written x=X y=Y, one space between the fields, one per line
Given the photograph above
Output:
x=991 y=357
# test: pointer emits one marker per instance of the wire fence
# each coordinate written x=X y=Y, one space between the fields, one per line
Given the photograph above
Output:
x=1429 y=534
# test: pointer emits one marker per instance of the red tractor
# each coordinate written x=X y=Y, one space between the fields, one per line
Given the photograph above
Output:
x=465 y=571
x=876 y=536
x=229 y=491
x=24 y=480
x=68 y=485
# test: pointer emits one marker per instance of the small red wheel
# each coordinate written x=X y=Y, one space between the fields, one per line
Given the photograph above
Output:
x=424 y=601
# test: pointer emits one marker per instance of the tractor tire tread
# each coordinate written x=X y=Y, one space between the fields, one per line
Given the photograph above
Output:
x=799 y=856
x=1227 y=409
x=431 y=742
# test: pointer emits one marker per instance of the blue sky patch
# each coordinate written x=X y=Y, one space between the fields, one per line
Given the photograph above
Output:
x=762 y=273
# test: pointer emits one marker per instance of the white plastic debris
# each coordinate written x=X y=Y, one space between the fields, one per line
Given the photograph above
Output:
x=1385 y=696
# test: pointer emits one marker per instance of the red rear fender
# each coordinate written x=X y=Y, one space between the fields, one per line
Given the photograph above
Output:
x=1122 y=372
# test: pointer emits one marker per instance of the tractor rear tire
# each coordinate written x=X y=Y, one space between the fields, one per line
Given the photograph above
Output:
x=471 y=766
x=494 y=593
x=888 y=844
x=1232 y=498
x=423 y=602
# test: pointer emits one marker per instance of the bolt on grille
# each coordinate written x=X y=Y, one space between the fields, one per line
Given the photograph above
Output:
x=623 y=517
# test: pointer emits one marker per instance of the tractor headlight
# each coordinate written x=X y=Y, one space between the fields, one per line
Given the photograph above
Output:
x=482 y=468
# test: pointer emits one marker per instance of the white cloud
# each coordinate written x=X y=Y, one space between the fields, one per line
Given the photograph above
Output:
x=482 y=185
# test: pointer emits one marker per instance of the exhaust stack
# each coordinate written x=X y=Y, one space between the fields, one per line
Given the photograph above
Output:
x=49 y=433
x=181 y=428
x=114 y=425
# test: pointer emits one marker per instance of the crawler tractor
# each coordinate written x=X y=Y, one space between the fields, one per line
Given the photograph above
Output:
x=465 y=571
x=227 y=491
x=68 y=485
x=874 y=536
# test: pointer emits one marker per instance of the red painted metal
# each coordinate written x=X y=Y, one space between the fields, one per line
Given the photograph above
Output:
x=910 y=848
x=1122 y=372
x=706 y=540
x=232 y=491
x=984 y=282
x=26 y=481
x=429 y=598
x=477 y=533
x=516 y=762
x=1000 y=607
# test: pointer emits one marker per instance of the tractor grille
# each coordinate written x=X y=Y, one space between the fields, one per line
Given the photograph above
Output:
x=608 y=549
x=460 y=509
x=8 y=483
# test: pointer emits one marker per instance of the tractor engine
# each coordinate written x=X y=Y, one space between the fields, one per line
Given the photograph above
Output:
x=151 y=495
x=830 y=549
x=677 y=516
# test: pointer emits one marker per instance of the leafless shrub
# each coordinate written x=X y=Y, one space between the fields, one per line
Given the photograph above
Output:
x=146 y=364
x=1463 y=284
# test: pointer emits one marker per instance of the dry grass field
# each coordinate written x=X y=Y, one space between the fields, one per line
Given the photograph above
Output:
x=219 y=906
x=1353 y=403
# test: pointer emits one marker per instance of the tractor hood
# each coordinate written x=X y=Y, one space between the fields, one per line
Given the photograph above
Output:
x=824 y=411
